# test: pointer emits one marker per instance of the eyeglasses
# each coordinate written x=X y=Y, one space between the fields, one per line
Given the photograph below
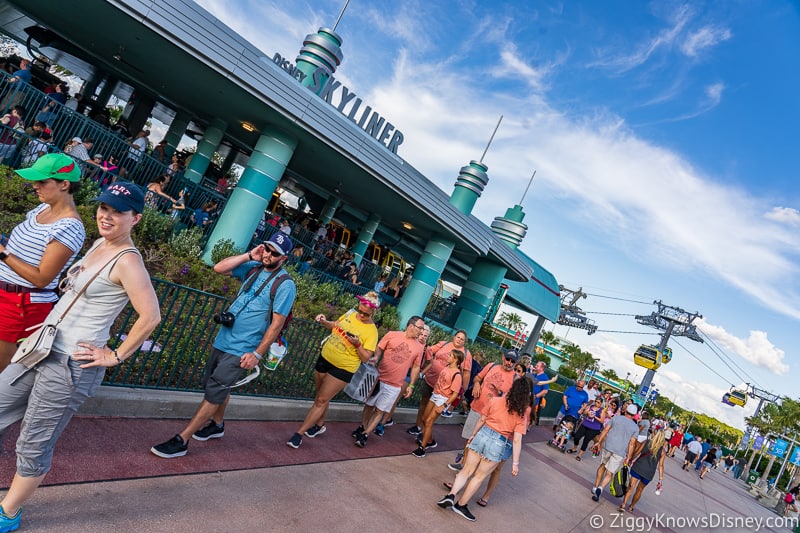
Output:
x=273 y=253
x=68 y=281
x=510 y=359
x=418 y=327
x=519 y=371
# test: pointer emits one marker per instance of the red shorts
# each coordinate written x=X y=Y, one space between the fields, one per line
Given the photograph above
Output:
x=17 y=313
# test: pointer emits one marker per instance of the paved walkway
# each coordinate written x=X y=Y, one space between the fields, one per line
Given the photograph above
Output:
x=104 y=479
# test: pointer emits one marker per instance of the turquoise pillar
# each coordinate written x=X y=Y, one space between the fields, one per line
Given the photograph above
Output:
x=205 y=149
x=365 y=237
x=329 y=209
x=477 y=295
x=176 y=130
x=320 y=55
x=426 y=275
x=251 y=196
x=471 y=181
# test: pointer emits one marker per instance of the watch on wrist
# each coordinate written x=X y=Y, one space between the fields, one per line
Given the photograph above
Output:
x=3 y=255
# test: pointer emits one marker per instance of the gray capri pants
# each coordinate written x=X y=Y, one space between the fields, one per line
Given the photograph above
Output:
x=45 y=398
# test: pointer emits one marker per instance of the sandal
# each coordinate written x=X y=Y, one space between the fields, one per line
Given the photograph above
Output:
x=571 y=451
x=447 y=485
x=482 y=502
x=621 y=509
x=577 y=457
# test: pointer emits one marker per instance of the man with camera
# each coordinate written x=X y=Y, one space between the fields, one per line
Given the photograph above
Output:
x=247 y=330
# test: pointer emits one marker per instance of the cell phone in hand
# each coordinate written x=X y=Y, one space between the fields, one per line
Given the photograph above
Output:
x=3 y=239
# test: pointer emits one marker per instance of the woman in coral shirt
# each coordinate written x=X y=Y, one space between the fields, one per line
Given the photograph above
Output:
x=496 y=437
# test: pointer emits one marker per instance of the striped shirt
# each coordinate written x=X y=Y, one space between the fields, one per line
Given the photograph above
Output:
x=28 y=242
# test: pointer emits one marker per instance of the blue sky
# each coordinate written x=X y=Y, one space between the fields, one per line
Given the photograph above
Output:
x=663 y=135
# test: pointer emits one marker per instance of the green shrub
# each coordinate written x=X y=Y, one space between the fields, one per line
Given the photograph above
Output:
x=153 y=229
x=224 y=248
x=187 y=242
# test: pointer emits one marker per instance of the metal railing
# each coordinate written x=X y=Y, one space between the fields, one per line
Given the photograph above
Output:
x=174 y=357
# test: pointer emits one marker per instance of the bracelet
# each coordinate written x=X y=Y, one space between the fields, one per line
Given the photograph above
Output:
x=250 y=255
x=116 y=356
x=514 y=464
x=258 y=355
x=411 y=386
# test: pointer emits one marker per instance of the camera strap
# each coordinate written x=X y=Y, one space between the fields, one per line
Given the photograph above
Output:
x=249 y=283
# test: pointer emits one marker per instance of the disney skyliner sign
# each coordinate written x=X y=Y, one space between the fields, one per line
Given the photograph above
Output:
x=368 y=120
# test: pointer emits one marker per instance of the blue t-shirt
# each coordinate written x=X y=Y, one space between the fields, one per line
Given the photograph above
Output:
x=251 y=312
x=23 y=75
x=575 y=399
x=539 y=388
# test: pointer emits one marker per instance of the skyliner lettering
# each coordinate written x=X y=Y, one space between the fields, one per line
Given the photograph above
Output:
x=348 y=104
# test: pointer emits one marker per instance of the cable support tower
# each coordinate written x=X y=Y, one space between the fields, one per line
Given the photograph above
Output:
x=673 y=321
x=631 y=332
x=570 y=314
x=614 y=314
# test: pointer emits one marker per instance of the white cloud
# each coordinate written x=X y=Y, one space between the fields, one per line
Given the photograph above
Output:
x=784 y=215
x=756 y=349
x=703 y=39
x=623 y=62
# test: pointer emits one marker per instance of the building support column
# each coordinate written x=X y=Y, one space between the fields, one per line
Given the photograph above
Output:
x=365 y=237
x=176 y=130
x=477 y=295
x=329 y=209
x=205 y=150
x=138 y=112
x=251 y=197
x=426 y=275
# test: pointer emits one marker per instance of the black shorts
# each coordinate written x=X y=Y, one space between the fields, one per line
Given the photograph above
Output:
x=323 y=366
x=690 y=457
x=222 y=371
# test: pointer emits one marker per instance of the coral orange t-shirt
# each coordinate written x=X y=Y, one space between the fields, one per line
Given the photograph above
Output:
x=499 y=419
x=439 y=352
x=449 y=382
x=494 y=378
x=400 y=354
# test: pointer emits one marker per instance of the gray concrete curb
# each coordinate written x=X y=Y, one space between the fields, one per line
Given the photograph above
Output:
x=153 y=403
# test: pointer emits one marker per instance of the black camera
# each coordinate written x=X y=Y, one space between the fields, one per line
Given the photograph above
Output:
x=225 y=318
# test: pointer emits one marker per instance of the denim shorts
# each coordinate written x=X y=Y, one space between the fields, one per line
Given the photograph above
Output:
x=491 y=445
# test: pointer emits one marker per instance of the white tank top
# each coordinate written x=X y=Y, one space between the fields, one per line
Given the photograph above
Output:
x=91 y=317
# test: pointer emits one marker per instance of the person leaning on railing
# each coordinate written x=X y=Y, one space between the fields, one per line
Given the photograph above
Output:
x=38 y=250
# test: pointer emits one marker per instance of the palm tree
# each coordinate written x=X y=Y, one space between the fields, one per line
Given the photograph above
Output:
x=609 y=373
x=511 y=321
x=549 y=338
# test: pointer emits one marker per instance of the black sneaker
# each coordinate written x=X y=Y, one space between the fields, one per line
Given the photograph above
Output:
x=597 y=492
x=463 y=511
x=295 y=441
x=174 y=447
x=361 y=440
x=447 y=501
x=419 y=452
x=315 y=430
x=388 y=423
x=413 y=430
x=358 y=431
x=432 y=444
x=210 y=431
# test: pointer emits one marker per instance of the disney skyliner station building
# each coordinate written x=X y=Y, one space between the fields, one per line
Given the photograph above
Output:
x=291 y=124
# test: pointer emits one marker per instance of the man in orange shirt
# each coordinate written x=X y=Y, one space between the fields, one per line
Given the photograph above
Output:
x=398 y=351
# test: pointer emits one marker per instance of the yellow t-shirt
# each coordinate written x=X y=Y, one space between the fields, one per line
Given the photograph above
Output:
x=338 y=351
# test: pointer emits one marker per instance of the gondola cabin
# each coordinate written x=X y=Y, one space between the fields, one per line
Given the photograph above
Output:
x=648 y=357
x=726 y=399
x=738 y=397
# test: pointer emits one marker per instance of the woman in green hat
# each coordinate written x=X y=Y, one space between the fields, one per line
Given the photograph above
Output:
x=38 y=250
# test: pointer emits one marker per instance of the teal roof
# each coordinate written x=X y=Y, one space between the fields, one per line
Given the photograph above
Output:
x=538 y=295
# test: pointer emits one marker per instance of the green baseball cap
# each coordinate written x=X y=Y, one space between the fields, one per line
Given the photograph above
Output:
x=52 y=166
